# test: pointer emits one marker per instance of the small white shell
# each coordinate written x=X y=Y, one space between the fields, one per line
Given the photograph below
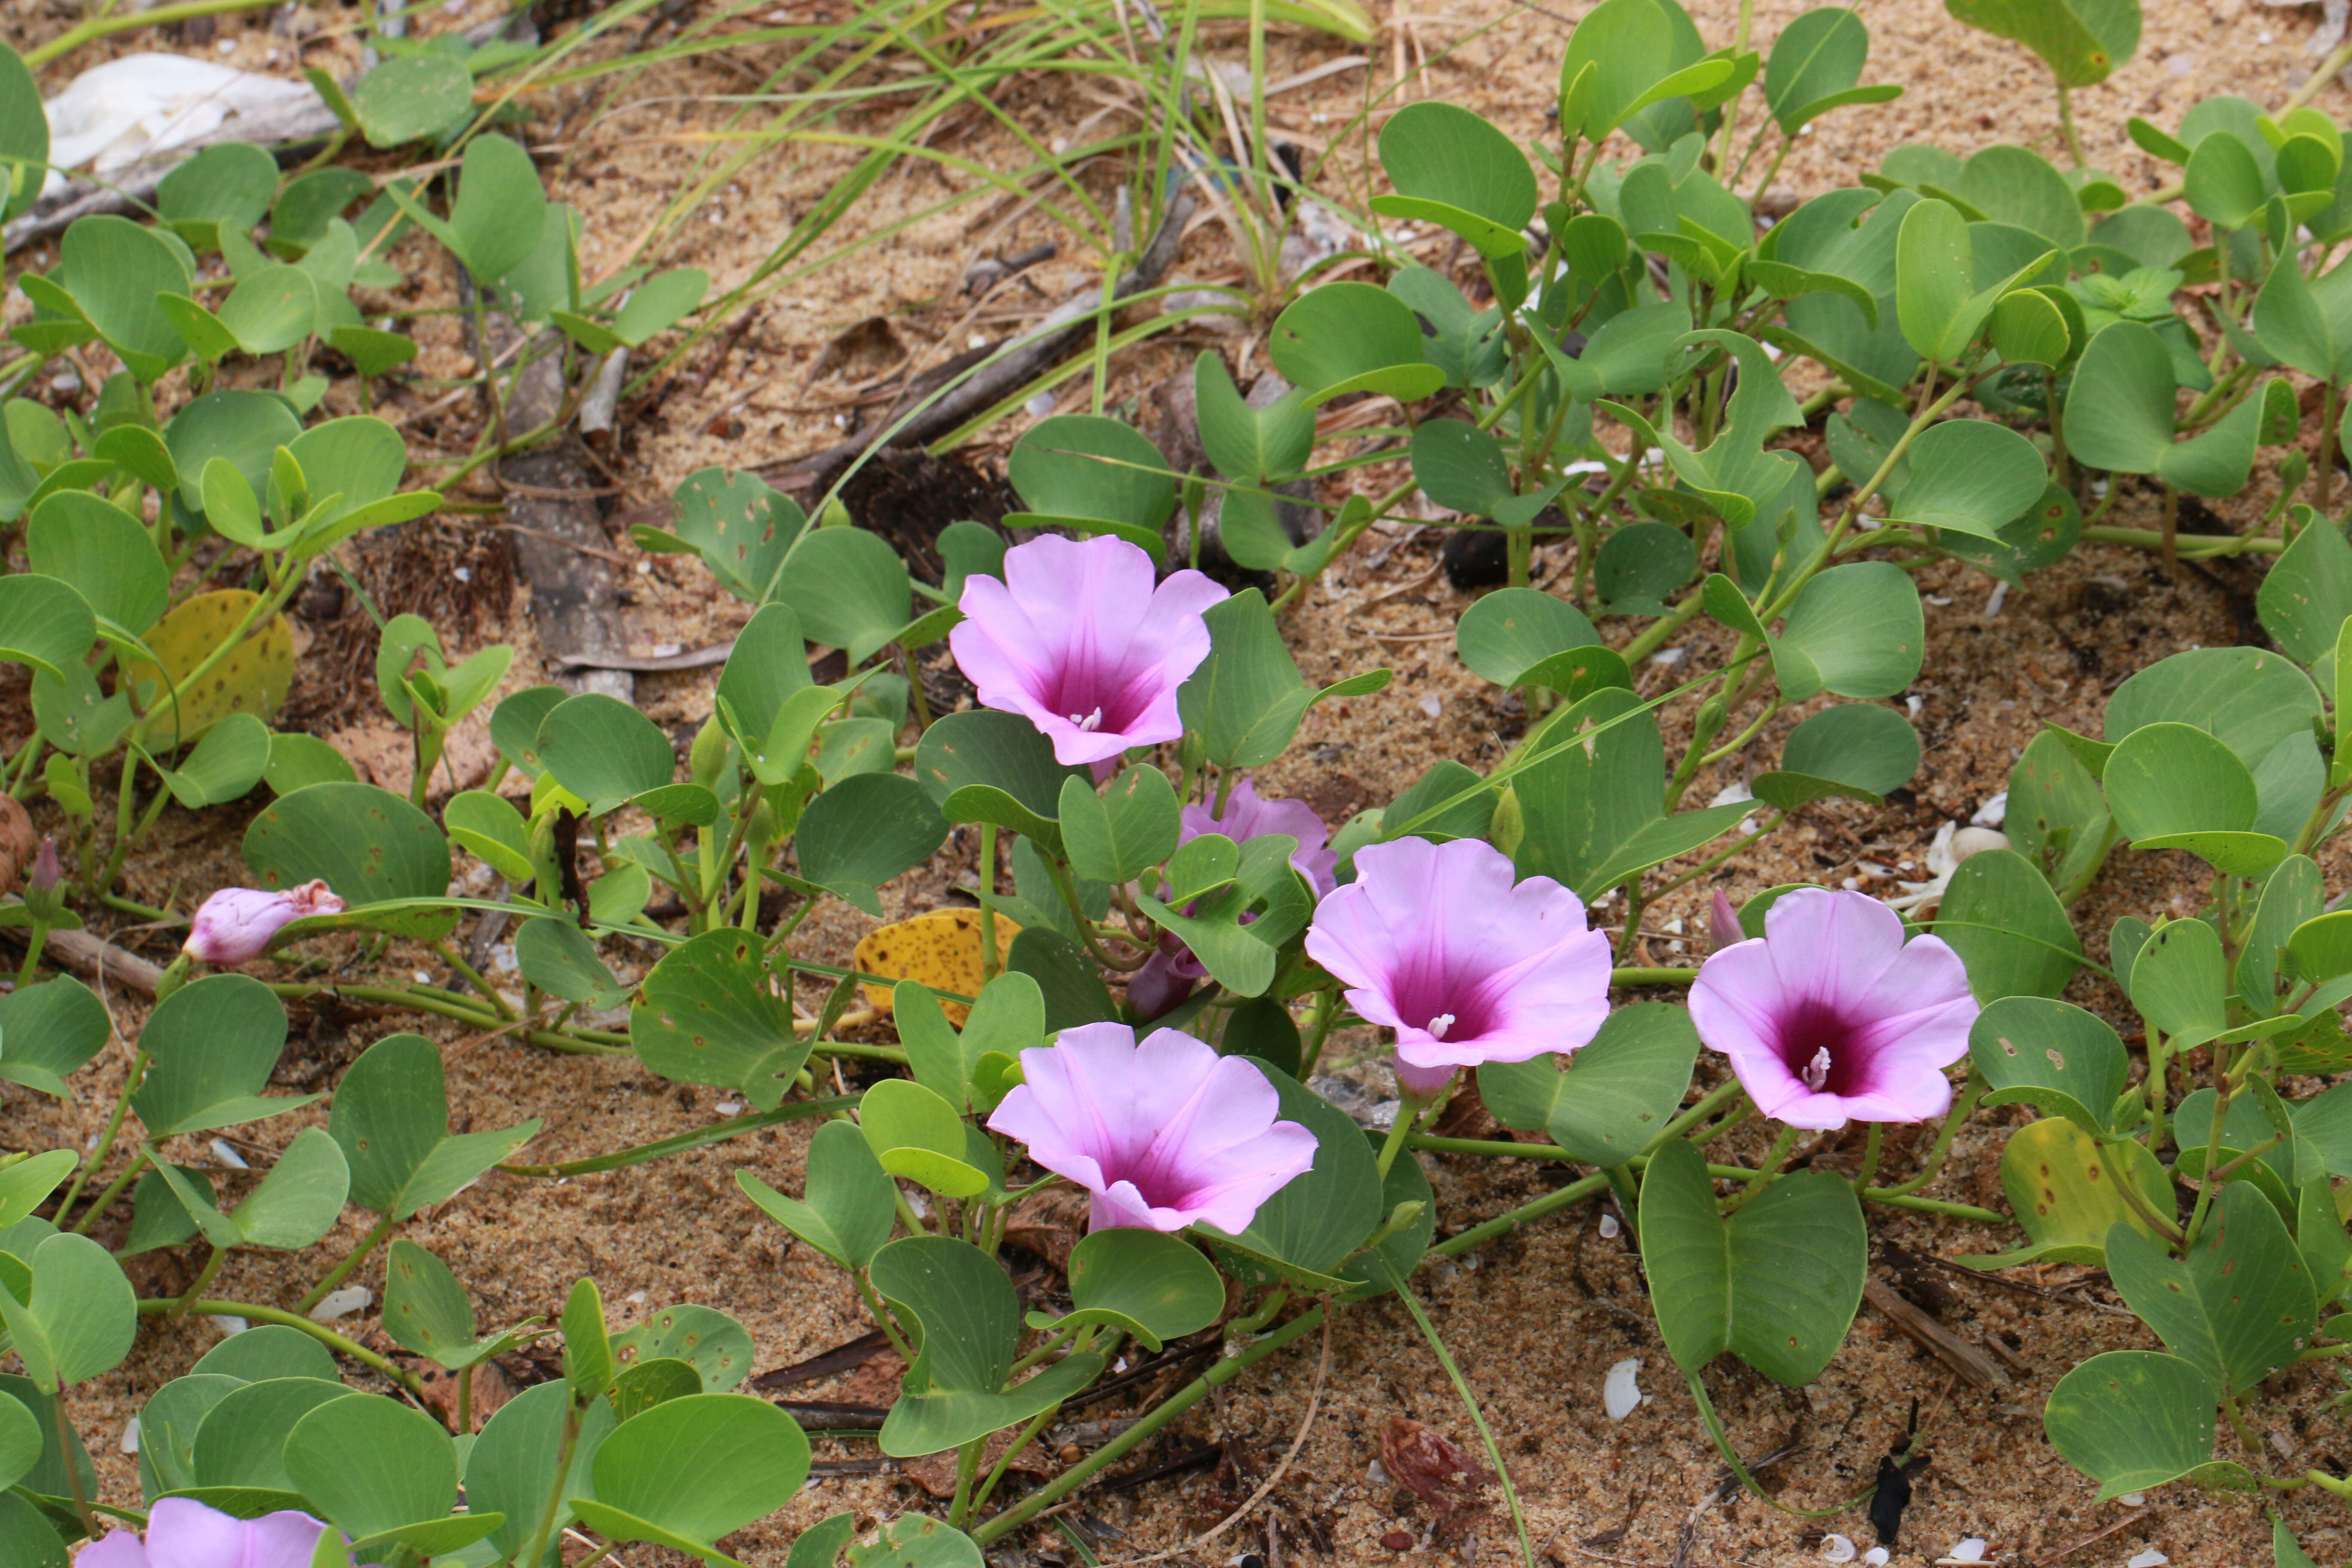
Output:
x=1836 y=1549
x=342 y=1303
x=2151 y=1557
x=1620 y=1394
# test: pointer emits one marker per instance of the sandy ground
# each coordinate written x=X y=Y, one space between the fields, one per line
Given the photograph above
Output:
x=1537 y=1319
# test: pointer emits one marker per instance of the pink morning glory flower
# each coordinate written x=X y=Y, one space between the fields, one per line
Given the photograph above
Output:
x=236 y=924
x=1832 y=1017
x=1076 y=640
x=1467 y=966
x=1169 y=975
x=1164 y=1133
x=185 y=1533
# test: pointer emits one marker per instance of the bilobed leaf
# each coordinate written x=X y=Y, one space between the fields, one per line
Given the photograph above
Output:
x=1248 y=698
x=1153 y=1286
x=392 y=1117
x=1512 y=630
x=1856 y=630
x=1129 y=828
x=850 y=1206
x=2001 y=917
x=2082 y=41
x=79 y=1316
x=2237 y=1307
x=1608 y=1099
x=715 y=1346
x=1971 y=476
x=2307 y=596
x=707 y=1012
x=47 y=1032
x=1778 y=1283
x=412 y=96
x=2133 y=1420
x=212 y=1045
x=368 y=845
x=866 y=830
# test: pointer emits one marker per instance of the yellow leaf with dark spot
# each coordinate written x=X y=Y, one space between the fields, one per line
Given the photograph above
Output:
x=939 y=949
x=253 y=678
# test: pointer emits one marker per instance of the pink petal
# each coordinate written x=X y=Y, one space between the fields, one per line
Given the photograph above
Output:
x=281 y=1539
x=1428 y=926
x=1834 y=963
x=115 y=1548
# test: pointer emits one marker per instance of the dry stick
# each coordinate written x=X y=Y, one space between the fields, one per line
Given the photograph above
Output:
x=2066 y=1551
x=1314 y=1401
x=1045 y=346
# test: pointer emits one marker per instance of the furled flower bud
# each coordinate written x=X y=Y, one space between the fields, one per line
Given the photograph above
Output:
x=236 y=924
x=1723 y=923
x=44 y=893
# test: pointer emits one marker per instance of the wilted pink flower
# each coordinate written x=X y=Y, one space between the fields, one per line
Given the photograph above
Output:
x=236 y=924
x=1164 y=1133
x=183 y=1533
x=1436 y=941
x=1831 y=1016
x=1169 y=975
x=1076 y=640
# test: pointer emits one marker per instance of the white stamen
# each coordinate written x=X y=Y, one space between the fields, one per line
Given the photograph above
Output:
x=1817 y=1071
x=1090 y=722
x=1439 y=1024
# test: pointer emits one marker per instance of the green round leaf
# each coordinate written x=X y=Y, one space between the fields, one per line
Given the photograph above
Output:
x=44 y=623
x=2133 y=1420
x=1776 y=1284
x=706 y=1014
x=1971 y=475
x=1856 y=630
x=1510 y=630
x=103 y=554
x=849 y=587
x=1095 y=474
x=115 y=269
x=411 y=97
x=1853 y=750
x=691 y=1470
x=371 y=1464
x=1155 y=1286
x=866 y=830
x=23 y=153
x=47 y=1031
x=369 y=845
x=212 y=1045
x=1605 y=1102
x=1641 y=564
x=603 y=751
x=1353 y=337
x=2050 y=1055
x=1454 y=168
x=499 y=208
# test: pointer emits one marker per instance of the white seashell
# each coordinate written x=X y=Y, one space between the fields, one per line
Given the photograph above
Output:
x=1620 y=1394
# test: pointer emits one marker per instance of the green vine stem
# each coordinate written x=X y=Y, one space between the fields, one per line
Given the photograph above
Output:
x=1135 y=1436
x=1470 y=1403
x=352 y=1260
x=679 y=1143
x=253 y=1313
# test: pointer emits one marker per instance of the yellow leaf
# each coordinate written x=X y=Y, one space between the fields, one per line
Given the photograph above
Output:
x=252 y=677
x=939 y=949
